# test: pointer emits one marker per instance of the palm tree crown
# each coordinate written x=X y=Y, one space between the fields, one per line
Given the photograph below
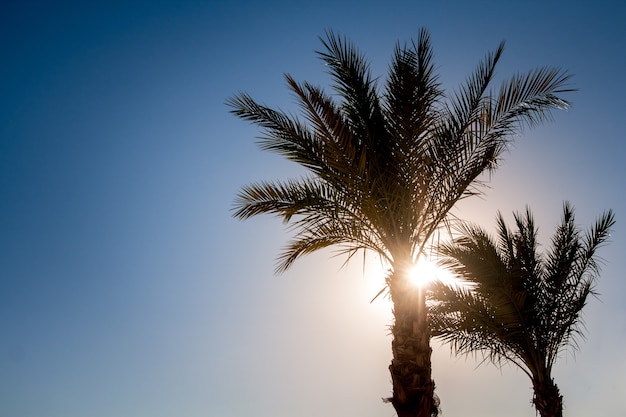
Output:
x=520 y=306
x=387 y=165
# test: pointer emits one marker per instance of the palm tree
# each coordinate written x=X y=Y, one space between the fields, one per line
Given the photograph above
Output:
x=520 y=306
x=384 y=169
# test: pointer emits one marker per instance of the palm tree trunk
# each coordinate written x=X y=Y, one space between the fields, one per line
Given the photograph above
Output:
x=547 y=400
x=413 y=387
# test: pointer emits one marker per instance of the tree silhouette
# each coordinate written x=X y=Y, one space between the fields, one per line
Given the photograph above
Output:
x=386 y=166
x=521 y=306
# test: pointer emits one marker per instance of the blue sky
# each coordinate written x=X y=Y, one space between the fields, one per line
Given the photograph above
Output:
x=127 y=289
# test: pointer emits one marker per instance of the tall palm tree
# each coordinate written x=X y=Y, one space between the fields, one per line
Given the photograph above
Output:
x=520 y=306
x=384 y=169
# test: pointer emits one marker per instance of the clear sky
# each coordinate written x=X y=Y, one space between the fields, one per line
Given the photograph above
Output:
x=127 y=290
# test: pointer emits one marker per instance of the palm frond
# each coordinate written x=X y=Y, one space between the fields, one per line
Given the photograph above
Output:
x=338 y=147
x=528 y=98
x=322 y=231
x=412 y=92
x=286 y=199
x=354 y=83
x=284 y=135
x=466 y=107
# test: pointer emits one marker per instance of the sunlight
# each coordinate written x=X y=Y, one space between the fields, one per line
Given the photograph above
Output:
x=427 y=271
x=423 y=273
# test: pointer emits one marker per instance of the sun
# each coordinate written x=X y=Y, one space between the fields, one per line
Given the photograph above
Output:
x=427 y=271
x=423 y=273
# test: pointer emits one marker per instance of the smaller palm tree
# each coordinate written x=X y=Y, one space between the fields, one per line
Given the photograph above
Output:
x=520 y=306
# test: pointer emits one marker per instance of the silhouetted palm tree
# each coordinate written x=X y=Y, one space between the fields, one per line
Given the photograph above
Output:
x=521 y=306
x=385 y=168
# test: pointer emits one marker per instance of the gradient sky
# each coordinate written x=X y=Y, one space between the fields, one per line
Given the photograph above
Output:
x=127 y=290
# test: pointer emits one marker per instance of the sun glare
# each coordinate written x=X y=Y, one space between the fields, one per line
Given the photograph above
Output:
x=423 y=273
x=426 y=271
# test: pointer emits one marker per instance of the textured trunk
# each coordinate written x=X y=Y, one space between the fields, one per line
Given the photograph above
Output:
x=547 y=400
x=413 y=387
